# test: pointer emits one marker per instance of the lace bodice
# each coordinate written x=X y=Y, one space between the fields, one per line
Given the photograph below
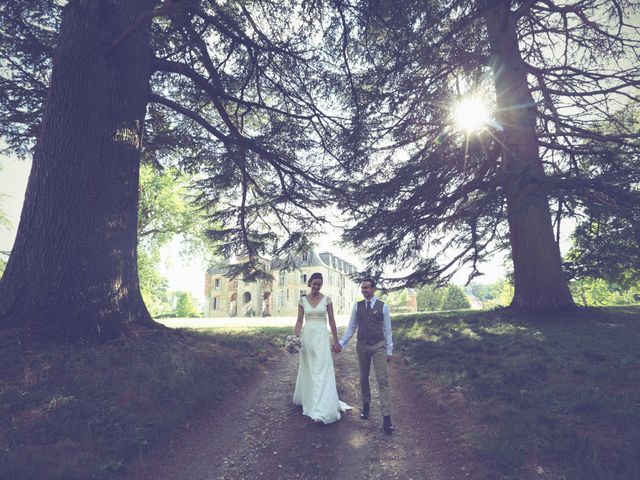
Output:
x=319 y=312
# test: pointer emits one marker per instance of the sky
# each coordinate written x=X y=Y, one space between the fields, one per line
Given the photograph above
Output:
x=182 y=274
x=13 y=183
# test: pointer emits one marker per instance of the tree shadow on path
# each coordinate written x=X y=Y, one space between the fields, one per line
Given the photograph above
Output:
x=259 y=433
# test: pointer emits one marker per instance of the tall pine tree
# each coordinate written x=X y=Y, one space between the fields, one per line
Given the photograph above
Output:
x=428 y=197
x=234 y=89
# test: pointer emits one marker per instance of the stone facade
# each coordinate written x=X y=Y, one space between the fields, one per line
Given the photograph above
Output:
x=230 y=298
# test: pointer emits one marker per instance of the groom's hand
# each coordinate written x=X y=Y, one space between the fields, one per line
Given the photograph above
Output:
x=337 y=348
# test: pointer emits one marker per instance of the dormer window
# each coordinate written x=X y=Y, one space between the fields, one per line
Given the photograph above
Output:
x=305 y=257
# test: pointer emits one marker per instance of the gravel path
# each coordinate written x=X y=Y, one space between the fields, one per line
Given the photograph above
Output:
x=261 y=434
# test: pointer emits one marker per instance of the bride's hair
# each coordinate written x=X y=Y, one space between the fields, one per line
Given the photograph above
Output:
x=313 y=277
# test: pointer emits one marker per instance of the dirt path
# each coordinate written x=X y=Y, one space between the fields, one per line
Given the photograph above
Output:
x=261 y=434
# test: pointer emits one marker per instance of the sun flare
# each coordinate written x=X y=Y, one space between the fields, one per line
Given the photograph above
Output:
x=471 y=114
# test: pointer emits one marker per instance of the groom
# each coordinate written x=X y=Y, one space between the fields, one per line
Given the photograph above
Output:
x=371 y=319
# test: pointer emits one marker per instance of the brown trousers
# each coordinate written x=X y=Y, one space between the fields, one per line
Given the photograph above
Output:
x=375 y=353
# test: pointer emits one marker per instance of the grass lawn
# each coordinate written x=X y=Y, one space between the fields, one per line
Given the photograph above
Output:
x=554 y=396
x=83 y=411
x=558 y=393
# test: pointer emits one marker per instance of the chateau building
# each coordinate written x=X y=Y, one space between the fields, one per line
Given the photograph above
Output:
x=227 y=297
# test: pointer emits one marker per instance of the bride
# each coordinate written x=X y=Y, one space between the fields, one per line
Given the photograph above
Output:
x=316 y=383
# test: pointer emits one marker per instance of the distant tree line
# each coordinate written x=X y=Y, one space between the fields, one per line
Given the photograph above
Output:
x=448 y=297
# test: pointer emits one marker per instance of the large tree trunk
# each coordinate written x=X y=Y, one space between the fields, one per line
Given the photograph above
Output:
x=539 y=281
x=73 y=268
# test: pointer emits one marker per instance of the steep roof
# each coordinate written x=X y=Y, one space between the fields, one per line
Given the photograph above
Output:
x=313 y=259
x=297 y=261
x=339 y=264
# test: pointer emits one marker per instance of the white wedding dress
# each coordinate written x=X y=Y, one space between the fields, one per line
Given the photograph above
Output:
x=316 y=383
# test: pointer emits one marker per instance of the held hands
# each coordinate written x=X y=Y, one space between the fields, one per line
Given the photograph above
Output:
x=389 y=357
x=336 y=347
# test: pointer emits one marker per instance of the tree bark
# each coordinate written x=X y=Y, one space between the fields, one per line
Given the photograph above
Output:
x=73 y=269
x=539 y=281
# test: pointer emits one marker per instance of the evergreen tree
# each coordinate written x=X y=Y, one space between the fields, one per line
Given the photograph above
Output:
x=275 y=121
x=430 y=298
x=72 y=270
x=606 y=241
x=554 y=73
x=97 y=85
x=455 y=299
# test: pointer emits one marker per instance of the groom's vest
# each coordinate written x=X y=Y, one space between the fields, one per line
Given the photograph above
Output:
x=370 y=322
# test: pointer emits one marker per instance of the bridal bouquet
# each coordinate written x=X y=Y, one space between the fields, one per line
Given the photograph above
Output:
x=292 y=343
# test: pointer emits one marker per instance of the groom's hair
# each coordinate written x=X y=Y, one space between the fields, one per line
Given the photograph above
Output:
x=371 y=281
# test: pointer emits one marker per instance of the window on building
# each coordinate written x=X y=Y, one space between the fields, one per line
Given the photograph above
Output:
x=216 y=284
x=281 y=278
x=303 y=293
x=303 y=278
x=305 y=256
x=282 y=300
x=216 y=303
